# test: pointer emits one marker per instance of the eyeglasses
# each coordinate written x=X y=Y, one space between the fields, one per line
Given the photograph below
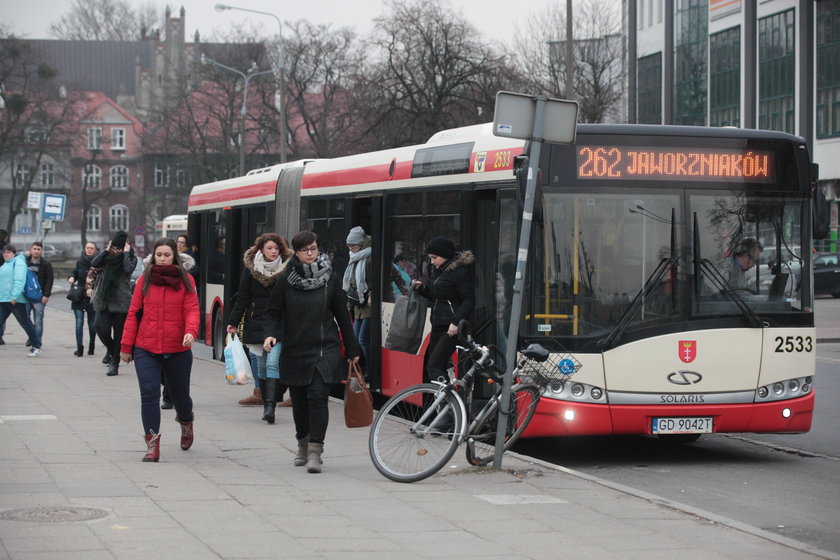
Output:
x=308 y=250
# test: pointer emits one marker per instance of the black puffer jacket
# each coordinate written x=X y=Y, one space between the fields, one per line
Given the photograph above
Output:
x=309 y=321
x=451 y=290
x=252 y=301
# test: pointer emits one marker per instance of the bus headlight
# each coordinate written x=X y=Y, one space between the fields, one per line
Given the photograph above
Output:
x=787 y=389
x=575 y=392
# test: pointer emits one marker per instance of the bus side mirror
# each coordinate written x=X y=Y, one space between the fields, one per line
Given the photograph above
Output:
x=820 y=212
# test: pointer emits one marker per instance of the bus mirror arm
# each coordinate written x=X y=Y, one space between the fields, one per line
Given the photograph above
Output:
x=520 y=171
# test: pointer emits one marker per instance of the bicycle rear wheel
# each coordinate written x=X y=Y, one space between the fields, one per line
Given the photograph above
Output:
x=408 y=440
x=481 y=442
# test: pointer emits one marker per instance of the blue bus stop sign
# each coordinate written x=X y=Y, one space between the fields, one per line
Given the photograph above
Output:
x=53 y=207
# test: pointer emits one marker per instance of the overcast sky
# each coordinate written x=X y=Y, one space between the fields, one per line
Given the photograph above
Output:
x=496 y=19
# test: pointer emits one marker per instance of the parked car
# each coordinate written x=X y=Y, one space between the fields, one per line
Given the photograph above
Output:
x=827 y=274
x=52 y=252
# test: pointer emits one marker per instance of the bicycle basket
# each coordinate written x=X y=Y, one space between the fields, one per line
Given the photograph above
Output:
x=559 y=366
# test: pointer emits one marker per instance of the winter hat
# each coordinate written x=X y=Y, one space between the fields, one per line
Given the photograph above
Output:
x=441 y=247
x=119 y=240
x=356 y=236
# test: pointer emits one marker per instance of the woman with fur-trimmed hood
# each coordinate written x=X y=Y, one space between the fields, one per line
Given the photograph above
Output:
x=451 y=291
x=264 y=263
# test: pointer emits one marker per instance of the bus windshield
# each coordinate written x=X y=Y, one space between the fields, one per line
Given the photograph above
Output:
x=609 y=264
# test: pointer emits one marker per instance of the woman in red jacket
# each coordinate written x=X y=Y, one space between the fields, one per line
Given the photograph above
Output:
x=166 y=307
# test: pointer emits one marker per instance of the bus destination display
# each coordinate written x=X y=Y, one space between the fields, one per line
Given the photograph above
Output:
x=661 y=163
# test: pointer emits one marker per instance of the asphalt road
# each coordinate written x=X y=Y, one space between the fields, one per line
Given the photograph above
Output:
x=786 y=484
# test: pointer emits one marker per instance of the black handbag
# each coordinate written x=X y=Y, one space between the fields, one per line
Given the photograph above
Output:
x=76 y=293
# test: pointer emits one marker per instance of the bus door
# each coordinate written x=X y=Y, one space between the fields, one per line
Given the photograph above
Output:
x=494 y=242
x=245 y=224
x=367 y=213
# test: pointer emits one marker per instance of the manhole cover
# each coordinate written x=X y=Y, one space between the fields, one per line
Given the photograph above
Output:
x=53 y=514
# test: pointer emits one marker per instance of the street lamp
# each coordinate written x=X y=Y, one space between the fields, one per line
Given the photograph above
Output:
x=246 y=78
x=281 y=68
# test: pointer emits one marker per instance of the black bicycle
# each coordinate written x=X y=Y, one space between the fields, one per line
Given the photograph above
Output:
x=418 y=430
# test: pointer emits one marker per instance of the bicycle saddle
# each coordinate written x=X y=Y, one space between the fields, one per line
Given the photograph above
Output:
x=535 y=352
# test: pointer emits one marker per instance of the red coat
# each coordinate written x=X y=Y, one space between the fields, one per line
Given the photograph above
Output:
x=168 y=314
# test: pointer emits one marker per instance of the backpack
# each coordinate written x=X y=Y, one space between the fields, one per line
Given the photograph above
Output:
x=32 y=288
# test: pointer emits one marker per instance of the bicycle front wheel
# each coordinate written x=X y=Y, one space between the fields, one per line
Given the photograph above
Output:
x=415 y=433
x=481 y=442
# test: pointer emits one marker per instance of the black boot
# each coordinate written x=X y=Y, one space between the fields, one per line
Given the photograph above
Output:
x=80 y=350
x=114 y=368
x=269 y=398
x=91 y=348
x=107 y=359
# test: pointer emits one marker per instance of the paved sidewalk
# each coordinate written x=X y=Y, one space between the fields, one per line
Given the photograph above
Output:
x=72 y=443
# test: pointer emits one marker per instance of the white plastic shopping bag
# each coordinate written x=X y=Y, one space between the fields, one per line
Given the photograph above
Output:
x=237 y=364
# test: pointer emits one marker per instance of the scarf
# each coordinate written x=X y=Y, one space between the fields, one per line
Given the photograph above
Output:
x=166 y=275
x=265 y=267
x=356 y=267
x=310 y=276
x=112 y=272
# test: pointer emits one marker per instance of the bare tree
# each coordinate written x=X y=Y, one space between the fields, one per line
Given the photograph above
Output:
x=428 y=74
x=599 y=70
x=37 y=121
x=105 y=20
x=321 y=67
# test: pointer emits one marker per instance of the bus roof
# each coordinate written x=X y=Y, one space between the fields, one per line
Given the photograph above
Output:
x=472 y=152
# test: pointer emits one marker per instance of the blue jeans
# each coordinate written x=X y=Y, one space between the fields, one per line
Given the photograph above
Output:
x=19 y=311
x=268 y=364
x=361 y=328
x=36 y=311
x=151 y=368
x=80 y=323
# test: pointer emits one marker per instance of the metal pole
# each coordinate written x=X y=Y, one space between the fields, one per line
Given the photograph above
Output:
x=519 y=279
x=281 y=68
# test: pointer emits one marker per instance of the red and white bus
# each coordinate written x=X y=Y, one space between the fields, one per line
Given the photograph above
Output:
x=636 y=263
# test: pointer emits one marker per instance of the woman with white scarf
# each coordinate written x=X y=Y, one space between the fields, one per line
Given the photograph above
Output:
x=356 y=282
x=264 y=263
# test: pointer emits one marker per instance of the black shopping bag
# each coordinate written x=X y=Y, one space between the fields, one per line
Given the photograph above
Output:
x=407 y=323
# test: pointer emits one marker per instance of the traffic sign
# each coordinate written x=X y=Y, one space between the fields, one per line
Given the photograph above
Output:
x=53 y=208
x=33 y=201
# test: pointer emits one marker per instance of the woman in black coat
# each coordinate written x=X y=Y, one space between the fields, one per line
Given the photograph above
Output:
x=451 y=292
x=309 y=308
x=264 y=264
x=83 y=306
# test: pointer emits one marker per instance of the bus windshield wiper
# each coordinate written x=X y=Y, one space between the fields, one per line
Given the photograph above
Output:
x=724 y=287
x=669 y=263
x=701 y=264
x=649 y=285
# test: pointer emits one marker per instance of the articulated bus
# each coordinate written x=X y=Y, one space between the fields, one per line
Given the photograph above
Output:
x=674 y=263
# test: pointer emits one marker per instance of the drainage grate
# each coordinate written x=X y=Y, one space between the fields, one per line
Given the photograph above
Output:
x=53 y=514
